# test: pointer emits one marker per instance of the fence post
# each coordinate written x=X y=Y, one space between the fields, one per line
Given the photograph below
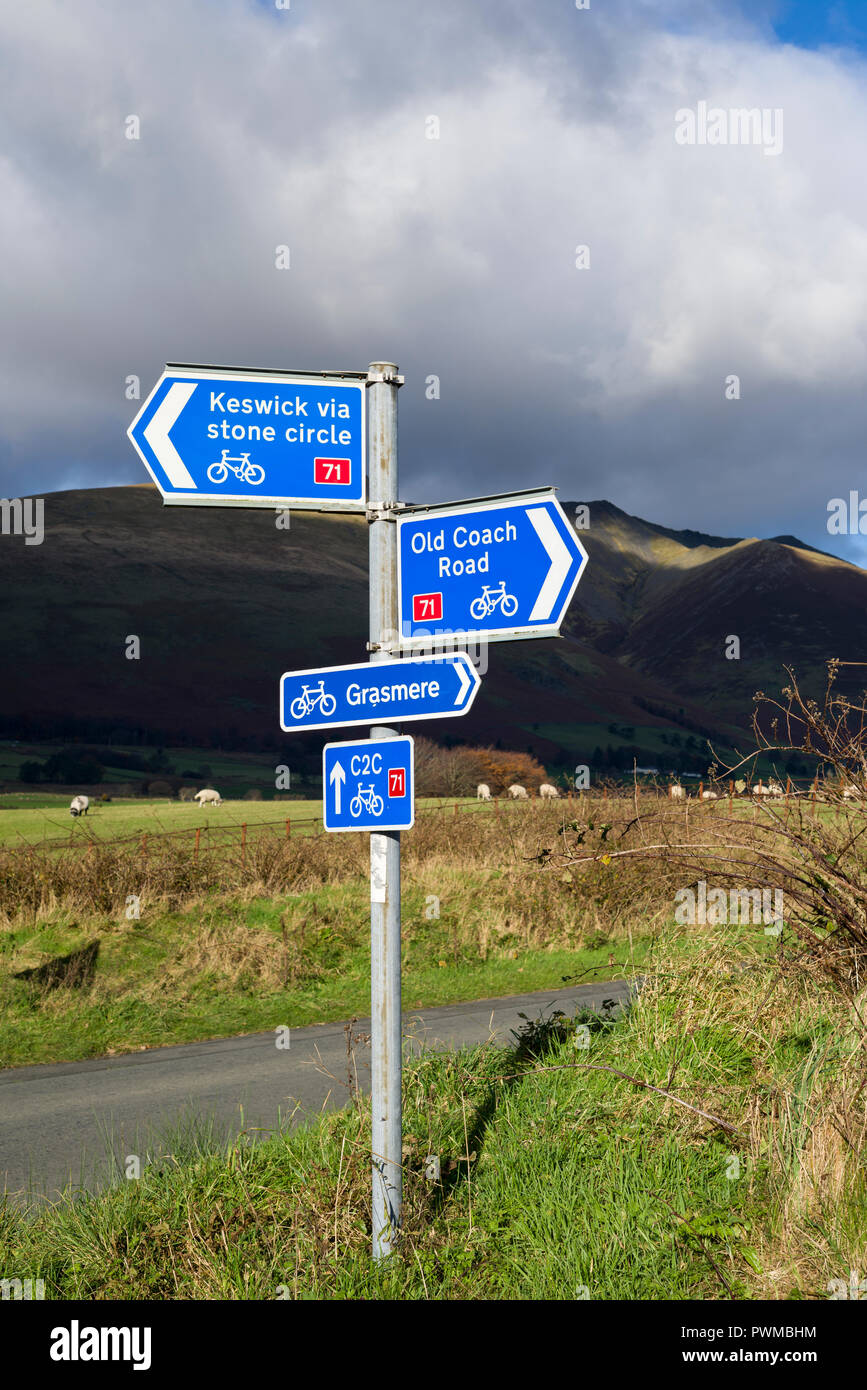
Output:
x=731 y=794
x=196 y=850
x=244 y=843
x=288 y=827
x=700 y=790
x=144 y=845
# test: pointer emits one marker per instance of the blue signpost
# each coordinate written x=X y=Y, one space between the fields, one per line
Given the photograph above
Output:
x=223 y=437
x=368 y=785
x=493 y=570
x=388 y=692
x=490 y=568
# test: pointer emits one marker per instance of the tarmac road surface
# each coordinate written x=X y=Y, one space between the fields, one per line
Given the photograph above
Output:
x=75 y=1122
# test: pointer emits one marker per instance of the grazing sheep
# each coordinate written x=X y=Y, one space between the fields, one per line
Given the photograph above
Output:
x=774 y=789
x=850 y=791
x=483 y=792
x=676 y=792
x=208 y=797
x=547 y=790
x=78 y=805
x=517 y=793
x=709 y=796
x=766 y=789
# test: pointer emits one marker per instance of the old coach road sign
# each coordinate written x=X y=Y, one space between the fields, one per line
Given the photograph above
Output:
x=492 y=570
x=368 y=785
x=388 y=692
x=218 y=437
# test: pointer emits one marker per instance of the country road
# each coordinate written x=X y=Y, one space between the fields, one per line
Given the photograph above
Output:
x=75 y=1122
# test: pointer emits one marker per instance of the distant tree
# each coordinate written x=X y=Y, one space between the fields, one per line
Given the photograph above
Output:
x=69 y=766
x=30 y=772
x=160 y=788
x=457 y=771
x=159 y=762
x=502 y=769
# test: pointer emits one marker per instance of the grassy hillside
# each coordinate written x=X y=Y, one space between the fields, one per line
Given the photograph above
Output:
x=223 y=602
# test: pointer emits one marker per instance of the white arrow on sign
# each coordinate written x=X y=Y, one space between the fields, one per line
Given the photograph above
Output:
x=465 y=680
x=338 y=776
x=558 y=551
x=157 y=434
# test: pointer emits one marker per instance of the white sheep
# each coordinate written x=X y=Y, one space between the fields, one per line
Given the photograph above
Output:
x=547 y=790
x=850 y=791
x=483 y=792
x=774 y=789
x=676 y=792
x=208 y=797
x=517 y=793
x=709 y=796
x=78 y=805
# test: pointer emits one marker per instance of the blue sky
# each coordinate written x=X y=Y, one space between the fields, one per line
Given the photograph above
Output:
x=812 y=25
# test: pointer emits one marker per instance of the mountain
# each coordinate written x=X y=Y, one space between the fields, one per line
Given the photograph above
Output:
x=222 y=602
x=667 y=602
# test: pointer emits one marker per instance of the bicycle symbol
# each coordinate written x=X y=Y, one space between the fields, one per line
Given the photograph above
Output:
x=243 y=469
x=489 y=599
x=310 y=697
x=366 y=800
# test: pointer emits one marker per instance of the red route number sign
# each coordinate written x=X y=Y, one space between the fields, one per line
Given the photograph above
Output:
x=427 y=607
x=331 y=471
x=397 y=781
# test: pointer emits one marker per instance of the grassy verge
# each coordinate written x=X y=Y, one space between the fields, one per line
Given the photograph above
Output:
x=560 y=1177
x=233 y=944
x=224 y=966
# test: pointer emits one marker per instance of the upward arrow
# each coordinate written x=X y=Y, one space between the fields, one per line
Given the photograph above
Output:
x=338 y=776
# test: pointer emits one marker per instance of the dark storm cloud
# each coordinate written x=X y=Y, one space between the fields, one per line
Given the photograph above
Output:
x=454 y=256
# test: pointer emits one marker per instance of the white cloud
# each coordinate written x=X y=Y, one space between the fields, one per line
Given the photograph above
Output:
x=455 y=255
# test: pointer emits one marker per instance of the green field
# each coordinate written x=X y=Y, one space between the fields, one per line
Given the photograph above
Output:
x=248 y=769
x=27 y=819
x=29 y=824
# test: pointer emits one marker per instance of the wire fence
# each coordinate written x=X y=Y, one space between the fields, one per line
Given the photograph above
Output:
x=209 y=838
x=203 y=838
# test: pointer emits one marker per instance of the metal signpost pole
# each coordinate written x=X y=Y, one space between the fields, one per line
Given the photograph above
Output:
x=499 y=568
x=385 y=1039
